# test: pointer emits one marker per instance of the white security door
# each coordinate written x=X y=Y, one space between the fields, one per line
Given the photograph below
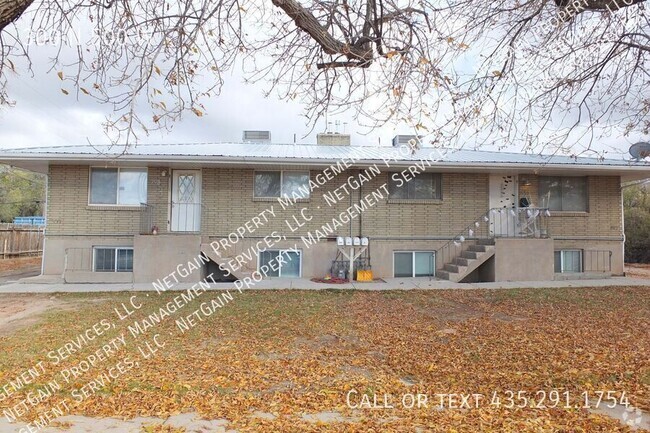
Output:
x=503 y=205
x=186 y=201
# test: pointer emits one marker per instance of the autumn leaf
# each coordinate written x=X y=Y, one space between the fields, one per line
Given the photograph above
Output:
x=60 y=74
x=65 y=92
x=198 y=112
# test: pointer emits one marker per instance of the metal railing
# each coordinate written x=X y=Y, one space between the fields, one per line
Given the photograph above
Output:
x=146 y=219
x=172 y=217
x=496 y=223
x=597 y=261
x=525 y=222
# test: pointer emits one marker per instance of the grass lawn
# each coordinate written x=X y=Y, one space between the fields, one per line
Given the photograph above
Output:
x=278 y=360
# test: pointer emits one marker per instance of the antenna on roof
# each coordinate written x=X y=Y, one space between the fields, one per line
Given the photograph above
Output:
x=640 y=150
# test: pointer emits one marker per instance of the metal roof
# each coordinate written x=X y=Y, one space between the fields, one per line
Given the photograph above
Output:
x=312 y=155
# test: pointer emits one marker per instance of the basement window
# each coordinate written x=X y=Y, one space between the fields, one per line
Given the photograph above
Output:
x=291 y=184
x=280 y=263
x=568 y=261
x=408 y=264
x=118 y=186
x=113 y=259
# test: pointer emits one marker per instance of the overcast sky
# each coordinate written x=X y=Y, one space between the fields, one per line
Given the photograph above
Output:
x=44 y=116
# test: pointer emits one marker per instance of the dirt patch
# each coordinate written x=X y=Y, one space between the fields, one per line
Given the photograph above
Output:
x=19 y=264
x=638 y=270
x=21 y=310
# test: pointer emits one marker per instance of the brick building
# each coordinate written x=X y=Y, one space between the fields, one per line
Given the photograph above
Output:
x=459 y=215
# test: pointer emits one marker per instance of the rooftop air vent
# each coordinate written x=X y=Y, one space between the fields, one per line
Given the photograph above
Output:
x=403 y=140
x=256 y=137
x=333 y=139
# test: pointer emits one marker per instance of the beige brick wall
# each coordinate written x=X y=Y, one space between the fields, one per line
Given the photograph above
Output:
x=464 y=198
x=228 y=196
x=603 y=217
x=228 y=202
x=68 y=211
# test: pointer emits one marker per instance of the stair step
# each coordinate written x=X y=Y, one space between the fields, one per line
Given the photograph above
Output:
x=442 y=274
x=462 y=261
x=485 y=241
x=478 y=248
x=469 y=254
x=453 y=268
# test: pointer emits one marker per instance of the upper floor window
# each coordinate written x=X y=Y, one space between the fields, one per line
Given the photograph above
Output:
x=119 y=186
x=425 y=186
x=292 y=184
x=564 y=193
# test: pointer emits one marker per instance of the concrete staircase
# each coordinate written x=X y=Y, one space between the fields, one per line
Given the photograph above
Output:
x=468 y=261
x=209 y=252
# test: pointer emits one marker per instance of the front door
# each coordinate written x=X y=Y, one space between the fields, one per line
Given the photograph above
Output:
x=503 y=205
x=186 y=201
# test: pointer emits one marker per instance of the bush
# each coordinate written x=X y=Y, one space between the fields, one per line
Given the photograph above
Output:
x=636 y=201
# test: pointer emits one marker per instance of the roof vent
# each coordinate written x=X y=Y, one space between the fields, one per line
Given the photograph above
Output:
x=403 y=140
x=256 y=137
x=333 y=139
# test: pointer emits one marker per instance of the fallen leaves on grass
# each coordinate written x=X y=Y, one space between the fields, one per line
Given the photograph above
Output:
x=296 y=355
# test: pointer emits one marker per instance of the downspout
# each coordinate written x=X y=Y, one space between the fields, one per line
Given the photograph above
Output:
x=47 y=192
x=350 y=230
x=360 y=213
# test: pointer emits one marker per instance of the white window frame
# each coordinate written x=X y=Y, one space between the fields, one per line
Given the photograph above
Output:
x=562 y=271
x=90 y=173
x=413 y=261
x=110 y=247
x=281 y=183
x=280 y=251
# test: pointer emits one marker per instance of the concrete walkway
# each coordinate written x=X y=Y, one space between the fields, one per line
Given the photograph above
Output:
x=52 y=285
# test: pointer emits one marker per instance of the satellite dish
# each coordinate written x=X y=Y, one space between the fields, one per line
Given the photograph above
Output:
x=640 y=150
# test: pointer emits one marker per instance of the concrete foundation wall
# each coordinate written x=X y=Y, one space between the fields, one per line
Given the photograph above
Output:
x=77 y=251
x=523 y=260
x=589 y=247
x=157 y=256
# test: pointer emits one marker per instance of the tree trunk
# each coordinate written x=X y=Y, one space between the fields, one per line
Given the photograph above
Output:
x=10 y=10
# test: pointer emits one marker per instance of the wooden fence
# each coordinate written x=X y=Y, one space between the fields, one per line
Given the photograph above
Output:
x=18 y=240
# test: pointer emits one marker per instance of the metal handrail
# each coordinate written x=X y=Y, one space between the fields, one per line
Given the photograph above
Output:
x=192 y=222
x=485 y=227
x=444 y=255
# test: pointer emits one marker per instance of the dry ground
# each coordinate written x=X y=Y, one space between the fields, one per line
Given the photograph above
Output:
x=637 y=270
x=19 y=263
x=285 y=360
